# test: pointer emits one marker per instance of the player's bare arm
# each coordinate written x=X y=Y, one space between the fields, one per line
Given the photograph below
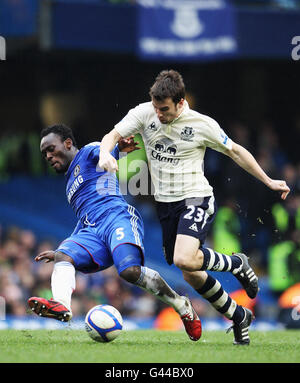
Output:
x=245 y=160
x=127 y=145
x=106 y=160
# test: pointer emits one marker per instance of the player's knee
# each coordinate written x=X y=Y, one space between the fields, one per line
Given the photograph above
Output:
x=62 y=257
x=188 y=260
x=131 y=274
x=182 y=262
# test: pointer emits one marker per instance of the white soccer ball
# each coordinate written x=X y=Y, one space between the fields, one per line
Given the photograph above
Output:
x=103 y=323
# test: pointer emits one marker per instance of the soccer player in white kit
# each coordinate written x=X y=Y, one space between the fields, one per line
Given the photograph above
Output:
x=175 y=139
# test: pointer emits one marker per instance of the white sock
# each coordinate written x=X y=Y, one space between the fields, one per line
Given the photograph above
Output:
x=151 y=281
x=63 y=283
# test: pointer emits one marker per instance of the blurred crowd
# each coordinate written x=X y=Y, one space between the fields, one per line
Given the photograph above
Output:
x=251 y=203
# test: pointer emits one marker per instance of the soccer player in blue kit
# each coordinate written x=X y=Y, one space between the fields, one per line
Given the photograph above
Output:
x=109 y=230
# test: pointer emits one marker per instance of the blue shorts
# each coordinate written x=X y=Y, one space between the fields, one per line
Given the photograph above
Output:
x=92 y=247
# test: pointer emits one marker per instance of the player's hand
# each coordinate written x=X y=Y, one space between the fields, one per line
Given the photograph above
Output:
x=108 y=162
x=48 y=255
x=128 y=145
x=281 y=186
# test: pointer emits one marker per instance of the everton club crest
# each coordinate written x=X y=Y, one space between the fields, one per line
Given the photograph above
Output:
x=187 y=133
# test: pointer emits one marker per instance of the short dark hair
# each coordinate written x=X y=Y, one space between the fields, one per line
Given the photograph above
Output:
x=169 y=83
x=61 y=130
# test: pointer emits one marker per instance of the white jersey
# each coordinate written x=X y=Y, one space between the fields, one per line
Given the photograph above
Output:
x=175 y=151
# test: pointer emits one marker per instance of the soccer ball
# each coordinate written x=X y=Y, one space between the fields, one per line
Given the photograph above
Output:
x=103 y=323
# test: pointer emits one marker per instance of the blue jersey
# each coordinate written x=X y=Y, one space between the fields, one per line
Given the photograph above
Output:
x=91 y=191
x=105 y=220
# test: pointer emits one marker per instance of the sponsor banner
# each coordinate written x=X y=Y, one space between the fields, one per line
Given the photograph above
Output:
x=31 y=323
x=186 y=30
x=173 y=30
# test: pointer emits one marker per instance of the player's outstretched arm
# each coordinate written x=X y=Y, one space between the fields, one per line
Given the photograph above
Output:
x=106 y=160
x=245 y=160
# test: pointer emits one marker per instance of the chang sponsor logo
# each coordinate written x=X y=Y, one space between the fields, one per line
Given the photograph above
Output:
x=157 y=156
x=165 y=146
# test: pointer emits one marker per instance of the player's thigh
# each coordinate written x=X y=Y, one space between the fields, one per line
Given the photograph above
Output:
x=195 y=219
x=186 y=249
x=88 y=252
x=129 y=231
x=128 y=259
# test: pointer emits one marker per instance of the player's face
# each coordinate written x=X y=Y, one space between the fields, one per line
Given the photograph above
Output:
x=56 y=152
x=167 y=110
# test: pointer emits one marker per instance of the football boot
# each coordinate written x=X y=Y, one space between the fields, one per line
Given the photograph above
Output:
x=240 y=331
x=49 y=309
x=191 y=321
x=246 y=276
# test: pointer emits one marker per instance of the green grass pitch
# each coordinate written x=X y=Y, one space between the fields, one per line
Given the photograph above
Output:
x=146 y=346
